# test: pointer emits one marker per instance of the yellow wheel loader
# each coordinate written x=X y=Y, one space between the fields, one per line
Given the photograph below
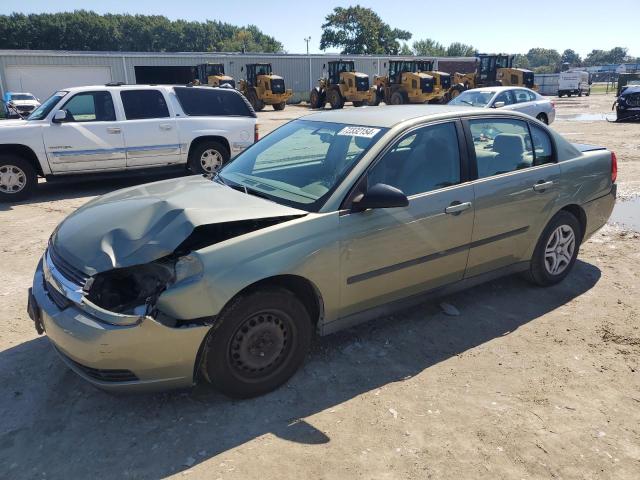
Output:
x=212 y=74
x=262 y=87
x=411 y=81
x=343 y=84
x=492 y=70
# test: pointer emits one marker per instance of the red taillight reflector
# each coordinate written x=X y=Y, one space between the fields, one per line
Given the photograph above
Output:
x=614 y=168
x=256 y=133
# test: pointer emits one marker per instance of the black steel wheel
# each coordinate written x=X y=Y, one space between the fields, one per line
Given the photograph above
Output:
x=259 y=342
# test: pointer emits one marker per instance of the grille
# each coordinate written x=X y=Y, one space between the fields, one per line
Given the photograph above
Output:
x=24 y=108
x=65 y=268
x=633 y=100
x=56 y=297
x=445 y=81
x=277 y=85
x=426 y=85
x=362 y=84
x=103 y=375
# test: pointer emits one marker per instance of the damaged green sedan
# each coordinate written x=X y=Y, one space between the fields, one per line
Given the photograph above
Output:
x=329 y=221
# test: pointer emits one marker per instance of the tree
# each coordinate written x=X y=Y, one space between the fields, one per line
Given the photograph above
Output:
x=405 y=50
x=359 y=30
x=543 y=57
x=429 y=48
x=86 y=30
x=604 y=57
x=571 y=57
x=521 y=61
x=457 y=49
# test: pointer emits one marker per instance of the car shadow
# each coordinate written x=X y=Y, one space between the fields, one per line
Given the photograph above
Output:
x=56 y=423
x=82 y=186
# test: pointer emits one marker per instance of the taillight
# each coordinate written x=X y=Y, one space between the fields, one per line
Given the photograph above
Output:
x=614 y=168
x=256 y=133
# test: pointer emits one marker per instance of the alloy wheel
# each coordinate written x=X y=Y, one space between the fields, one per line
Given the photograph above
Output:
x=12 y=179
x=211 y=160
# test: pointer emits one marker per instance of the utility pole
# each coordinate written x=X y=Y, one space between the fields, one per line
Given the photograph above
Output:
x=308 y=39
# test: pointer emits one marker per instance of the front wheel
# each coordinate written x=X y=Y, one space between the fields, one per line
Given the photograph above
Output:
x=279 y=106
x=335 y=99
x=316 y=99
x=18 y=178
x=208 y=157
x=556 y=250
x=397 y=98
x=262 y=339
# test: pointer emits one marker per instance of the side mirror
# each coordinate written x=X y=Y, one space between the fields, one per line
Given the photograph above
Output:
x=380 y=195
x=498 y=104
x=60 y=116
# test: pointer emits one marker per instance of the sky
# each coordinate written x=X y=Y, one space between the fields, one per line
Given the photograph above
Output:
x=492 y=27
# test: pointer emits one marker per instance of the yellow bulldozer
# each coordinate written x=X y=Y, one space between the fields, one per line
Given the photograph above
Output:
x=212 y=74
x=343 y=84
x=262 y=87
x=411 y=81
x=492 y=70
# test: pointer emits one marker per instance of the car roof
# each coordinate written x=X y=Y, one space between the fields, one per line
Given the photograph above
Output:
x=390 y=116
x=118 y=87
x=498 y=89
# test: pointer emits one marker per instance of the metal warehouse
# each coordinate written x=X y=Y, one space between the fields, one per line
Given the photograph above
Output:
x=43 y=72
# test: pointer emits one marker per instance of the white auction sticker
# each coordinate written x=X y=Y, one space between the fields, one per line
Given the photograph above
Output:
x=353 y=131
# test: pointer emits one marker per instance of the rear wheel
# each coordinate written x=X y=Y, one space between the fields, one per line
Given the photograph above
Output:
x=543 y=118
x=279 y=106
x=18 y=179
x=397 y=98
x=556 y=250
x=261 y=341
x=208 y=157
x=335 y=98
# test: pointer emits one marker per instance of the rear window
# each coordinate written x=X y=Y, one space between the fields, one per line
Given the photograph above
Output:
x=198 y=102
x=141 y=104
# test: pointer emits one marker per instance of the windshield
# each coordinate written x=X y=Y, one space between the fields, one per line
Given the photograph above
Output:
x=43 y=110
x=22 y=96
x=475 y=98
x=301 y=163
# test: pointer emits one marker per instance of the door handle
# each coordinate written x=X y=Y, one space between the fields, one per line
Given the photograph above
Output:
x=542 y=186
x=165 y=126
x=457 y=207
x=114 y=129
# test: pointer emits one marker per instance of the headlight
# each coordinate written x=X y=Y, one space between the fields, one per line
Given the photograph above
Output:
x=187 y=267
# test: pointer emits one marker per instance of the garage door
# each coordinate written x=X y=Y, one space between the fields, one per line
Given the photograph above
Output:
x=43 y=80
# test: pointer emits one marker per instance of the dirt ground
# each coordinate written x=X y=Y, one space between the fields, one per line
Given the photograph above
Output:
x=525 y=383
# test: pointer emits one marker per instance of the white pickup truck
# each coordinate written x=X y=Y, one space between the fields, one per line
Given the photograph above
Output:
x=112 y=128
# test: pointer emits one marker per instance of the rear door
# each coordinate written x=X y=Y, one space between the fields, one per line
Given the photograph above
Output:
x=515 y=192
x=150 y=131
x=388 y=254
x=525 y=102
x=90 y=139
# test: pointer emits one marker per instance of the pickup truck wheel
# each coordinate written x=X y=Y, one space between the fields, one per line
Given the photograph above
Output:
x=18 y=178
x=208 y=157
x=556 y=250
x=260 y=342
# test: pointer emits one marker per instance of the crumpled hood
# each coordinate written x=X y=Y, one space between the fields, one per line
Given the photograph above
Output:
x=141 y=224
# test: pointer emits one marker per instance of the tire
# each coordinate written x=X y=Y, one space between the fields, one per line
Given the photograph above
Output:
x=357 y=103
x=579 y=93
x=335 y=99
x=379 y=96
x=208 y=157
x=560 y=95
x=543 y=118
x=397 y=98
x=588 y=92
x=242 y=364
x=541 y=272
x=256 y=103
x=457 y=90
x=316 y=99
x=279 y=106
x=18 y=179
x=569 y=94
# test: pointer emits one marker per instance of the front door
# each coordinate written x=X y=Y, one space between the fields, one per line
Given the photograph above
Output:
x=89 y=139
x=389 y=254
x=515 y=192
x=150 y=132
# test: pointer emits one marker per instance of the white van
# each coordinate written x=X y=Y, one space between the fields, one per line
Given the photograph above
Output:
x=574 y=82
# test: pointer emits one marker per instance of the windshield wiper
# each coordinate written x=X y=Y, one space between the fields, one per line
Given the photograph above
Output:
x=217 y=178
x=467 y=102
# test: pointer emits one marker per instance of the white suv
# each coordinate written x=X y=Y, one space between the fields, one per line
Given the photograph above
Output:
x=120 y=128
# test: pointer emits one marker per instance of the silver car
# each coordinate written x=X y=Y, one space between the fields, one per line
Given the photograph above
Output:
x=518 y=99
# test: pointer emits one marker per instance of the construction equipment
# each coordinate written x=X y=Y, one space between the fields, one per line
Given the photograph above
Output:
x=262 y=87
x=212 y=74
x=492 y=70
x=343 y=84
x=411 y=81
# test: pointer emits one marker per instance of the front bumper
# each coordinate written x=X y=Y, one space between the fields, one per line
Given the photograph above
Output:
x=148 y=356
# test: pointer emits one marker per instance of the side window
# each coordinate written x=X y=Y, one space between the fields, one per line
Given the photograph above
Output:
x=424 y=160
x=542 y=146
x=211 y=102
x=501 y=146
x=522 y=96
x=506 y=97
x=90 y=107
x=141 y=104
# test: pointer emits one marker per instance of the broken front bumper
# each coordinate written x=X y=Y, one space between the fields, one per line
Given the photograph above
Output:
x=147 y=356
